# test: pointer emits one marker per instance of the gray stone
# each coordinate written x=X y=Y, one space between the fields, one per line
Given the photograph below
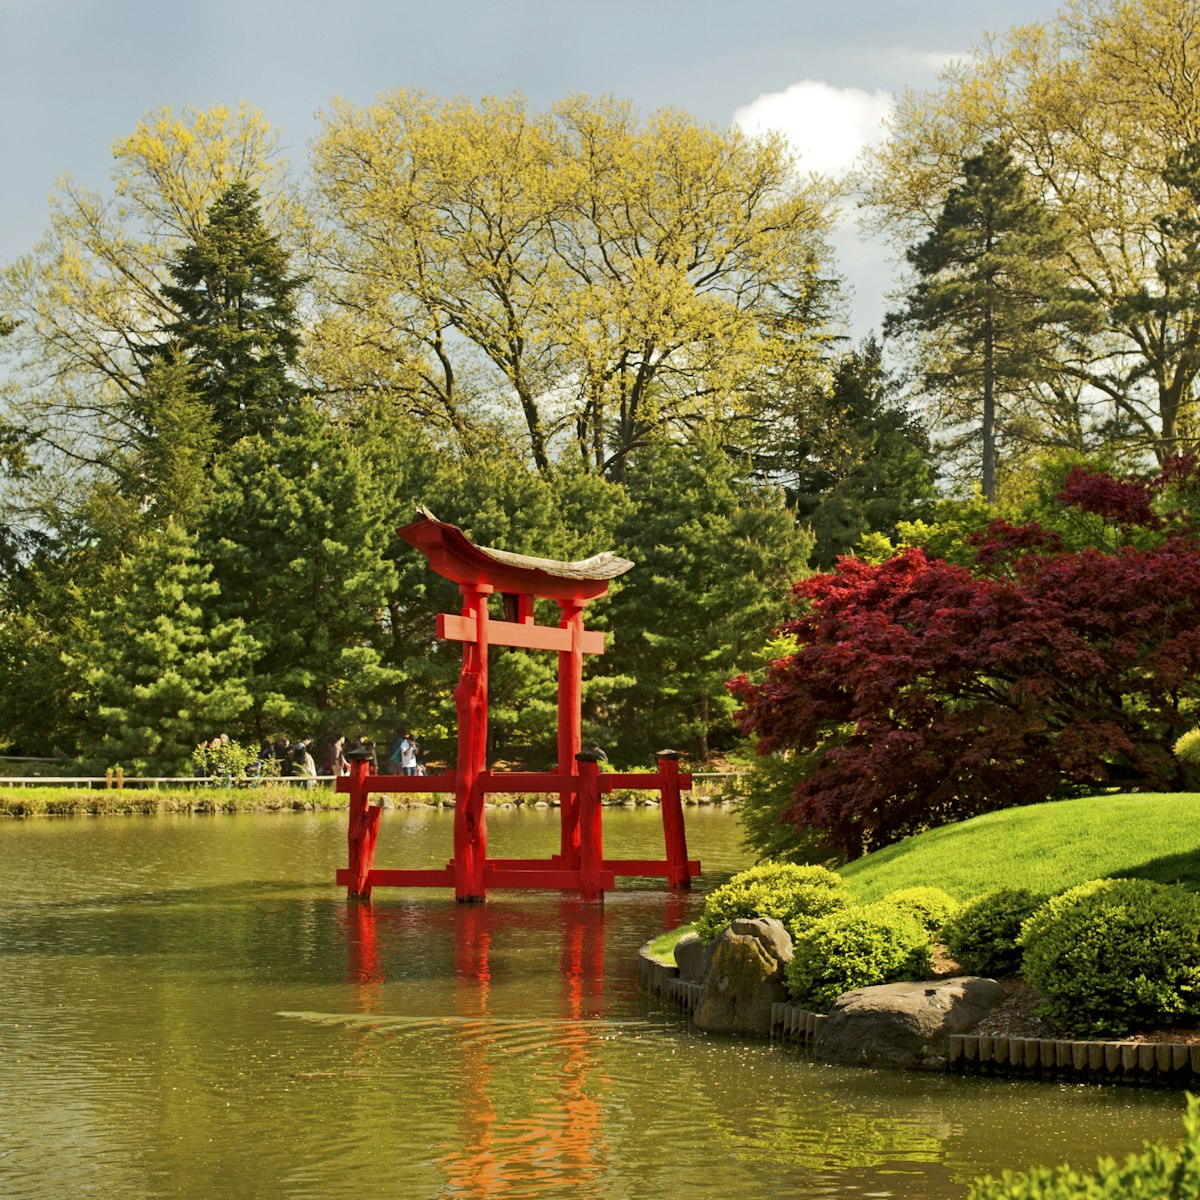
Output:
x=906 y=1025
x=743 y=977
x=690 y=955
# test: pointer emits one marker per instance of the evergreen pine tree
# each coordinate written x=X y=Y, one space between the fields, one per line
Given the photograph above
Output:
x=850 y=457
x=237 y=321
x=990 y=295
x=162 y=670
x=715 y=558
x=297 y=533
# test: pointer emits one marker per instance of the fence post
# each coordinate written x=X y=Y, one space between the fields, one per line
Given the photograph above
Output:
x=678 y=875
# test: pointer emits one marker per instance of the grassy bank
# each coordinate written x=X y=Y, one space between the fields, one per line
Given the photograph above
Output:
x=77 y=802
x=33 y=801
x=1045 y=847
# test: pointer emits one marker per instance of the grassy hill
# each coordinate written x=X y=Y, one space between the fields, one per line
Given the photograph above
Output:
x=1045 y=847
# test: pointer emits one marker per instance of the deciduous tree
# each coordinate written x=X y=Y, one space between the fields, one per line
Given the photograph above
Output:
x=87 y=301
x=930 y=691
x=600 y=278
x=1096 y=105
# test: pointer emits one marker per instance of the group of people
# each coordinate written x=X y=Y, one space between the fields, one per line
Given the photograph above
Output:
x=404 y=755
x=223 y=759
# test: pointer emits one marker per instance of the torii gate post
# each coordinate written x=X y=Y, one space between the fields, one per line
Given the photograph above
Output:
x=470 y=698
x=479 y=573
x=570 y=725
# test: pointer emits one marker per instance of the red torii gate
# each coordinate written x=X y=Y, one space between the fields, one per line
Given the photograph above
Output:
x=580 y=863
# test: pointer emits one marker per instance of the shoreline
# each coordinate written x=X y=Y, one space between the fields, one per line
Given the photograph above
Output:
x=1010 y=1041
x=34 y=801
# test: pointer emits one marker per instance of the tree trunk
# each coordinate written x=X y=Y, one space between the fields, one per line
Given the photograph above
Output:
x=989 y=408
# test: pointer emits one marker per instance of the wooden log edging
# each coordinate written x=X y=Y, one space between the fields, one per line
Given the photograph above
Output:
x=662 y=981
x=1048 y=1058
x=791 y=1023
x=1174 y=1063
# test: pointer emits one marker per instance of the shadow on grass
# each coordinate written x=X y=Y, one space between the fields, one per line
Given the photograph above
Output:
x=1169 y=868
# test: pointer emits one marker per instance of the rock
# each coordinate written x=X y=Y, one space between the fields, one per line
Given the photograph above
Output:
x=690 y=955
x=906 y=1025
x=743 y=977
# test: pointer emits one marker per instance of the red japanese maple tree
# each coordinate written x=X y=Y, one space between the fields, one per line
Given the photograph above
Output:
x=931 y=692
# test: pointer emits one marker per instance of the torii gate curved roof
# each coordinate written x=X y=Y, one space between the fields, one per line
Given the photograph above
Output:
x=455 y=557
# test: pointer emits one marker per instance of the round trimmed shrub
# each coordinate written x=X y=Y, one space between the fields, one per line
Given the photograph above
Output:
x=793 y=894
x=931 y=906
x=1115 y=954
x=1187 y=748
x=854 y=948
x=982 y=935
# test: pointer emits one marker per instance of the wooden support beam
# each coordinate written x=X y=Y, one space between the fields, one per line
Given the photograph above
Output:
x=529 y=782
x=640 y=781
x=524 y=636
x=651 y=867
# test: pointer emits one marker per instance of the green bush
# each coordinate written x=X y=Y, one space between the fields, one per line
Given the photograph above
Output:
x=931 y=906
x=982 y=935
x=856 y=948
x=1187 y=748
x=768 y=790
x=1162 y=1172
x=1115 y=954
x=793 y=894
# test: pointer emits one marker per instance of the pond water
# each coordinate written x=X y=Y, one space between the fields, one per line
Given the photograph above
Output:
x=190 y=1008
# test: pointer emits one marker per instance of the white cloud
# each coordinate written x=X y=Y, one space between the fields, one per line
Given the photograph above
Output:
x=828 y=126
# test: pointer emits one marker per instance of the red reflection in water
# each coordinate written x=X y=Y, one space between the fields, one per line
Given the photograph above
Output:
x=557 y=1137
x=579 y=1137
x=362 y=945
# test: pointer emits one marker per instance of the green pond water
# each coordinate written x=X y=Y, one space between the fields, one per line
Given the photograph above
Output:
x=189 y=1007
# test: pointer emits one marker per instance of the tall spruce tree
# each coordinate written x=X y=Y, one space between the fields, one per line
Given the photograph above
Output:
x=715 y=558
x=297 y=532
x=237 y=322
x=850 y=456
x=161 y=668
x=991 y=301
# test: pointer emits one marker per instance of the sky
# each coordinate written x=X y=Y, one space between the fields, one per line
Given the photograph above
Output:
x=78 y=74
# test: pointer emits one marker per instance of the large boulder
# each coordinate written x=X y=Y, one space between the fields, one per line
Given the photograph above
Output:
x=743 y=977
x=905 y=1025
x=691 y=955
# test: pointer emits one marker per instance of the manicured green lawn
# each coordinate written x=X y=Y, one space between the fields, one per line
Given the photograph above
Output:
x=1045 y=847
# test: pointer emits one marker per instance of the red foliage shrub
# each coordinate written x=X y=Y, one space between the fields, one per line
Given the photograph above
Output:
x=933 y=693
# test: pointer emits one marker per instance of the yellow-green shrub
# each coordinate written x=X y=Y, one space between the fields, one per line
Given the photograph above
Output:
x=793 y=894
x=982 y=935
x=854 y=948
x=931 y=906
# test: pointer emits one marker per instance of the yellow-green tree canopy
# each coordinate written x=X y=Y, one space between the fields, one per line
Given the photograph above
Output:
x=1098 y=106
x=593 y=276
x=86 y=302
